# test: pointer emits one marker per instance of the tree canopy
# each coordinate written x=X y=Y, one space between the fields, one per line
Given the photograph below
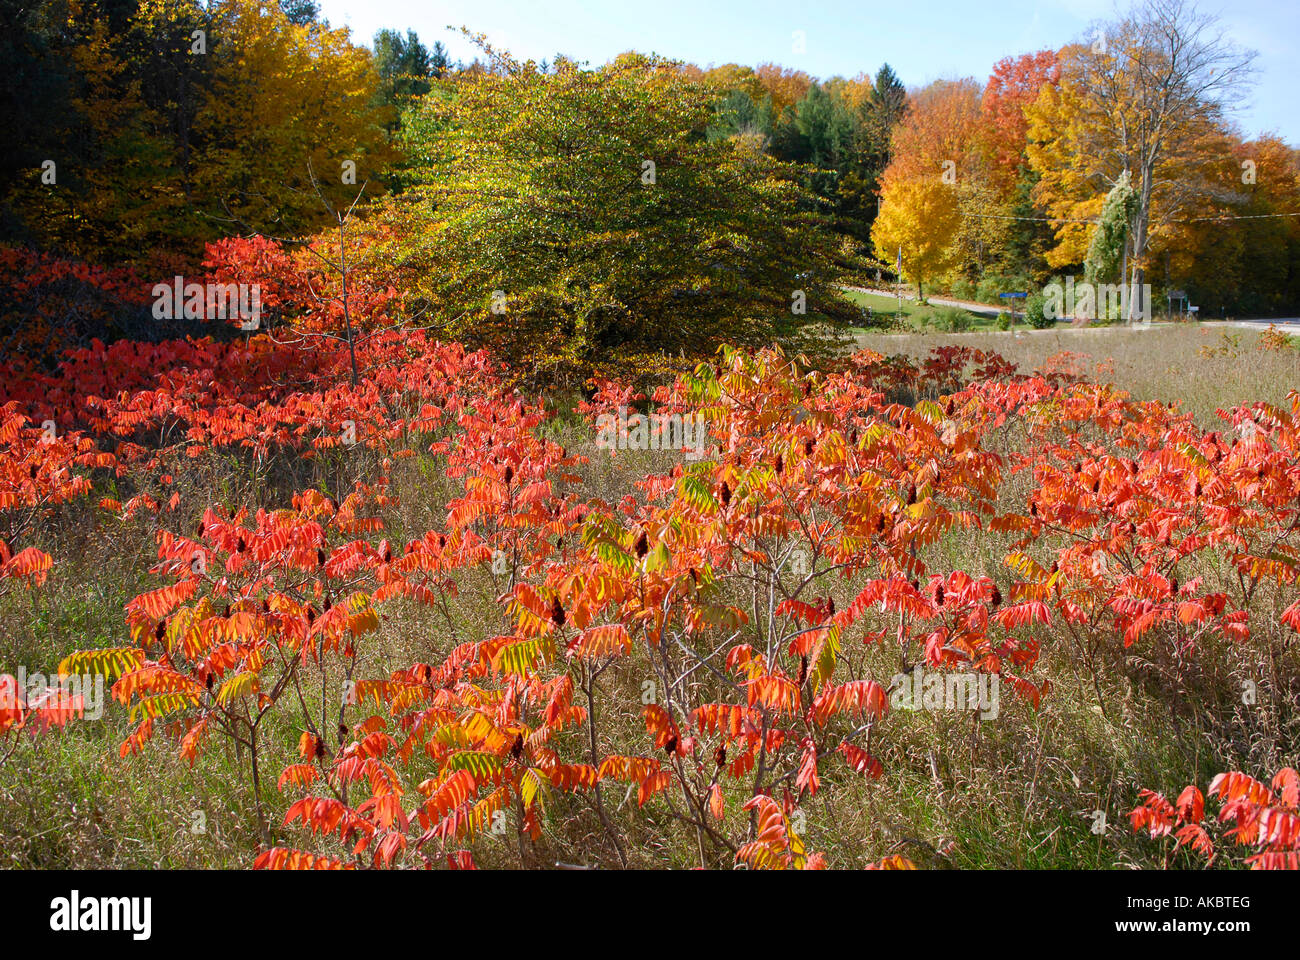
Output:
x=567 y=216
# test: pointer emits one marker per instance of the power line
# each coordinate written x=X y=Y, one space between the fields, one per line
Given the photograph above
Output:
x=1253 y=216
x=1225 y=216
x=994 y=216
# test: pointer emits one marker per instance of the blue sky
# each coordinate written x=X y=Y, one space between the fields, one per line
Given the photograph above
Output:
x=922 y=40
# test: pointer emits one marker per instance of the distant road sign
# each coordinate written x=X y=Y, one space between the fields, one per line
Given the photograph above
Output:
x=1019 y=295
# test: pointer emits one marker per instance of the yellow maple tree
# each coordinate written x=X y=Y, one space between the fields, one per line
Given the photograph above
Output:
x=919 y=216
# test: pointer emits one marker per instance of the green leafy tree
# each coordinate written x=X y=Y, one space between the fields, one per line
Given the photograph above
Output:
x=404 y=66
x=1029 y=235
x=738 y=114
x=300 y=12
x=440 y=64
x=886 y=106
x=1106 y=249
x=162 y=139
x=36 y=99
x=570 y=216
x=291 y=114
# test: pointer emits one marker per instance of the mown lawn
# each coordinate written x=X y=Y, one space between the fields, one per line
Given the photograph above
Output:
x=924 y=317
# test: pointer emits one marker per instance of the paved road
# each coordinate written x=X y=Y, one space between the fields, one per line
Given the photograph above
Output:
x=1287 y=323
x=980 y=308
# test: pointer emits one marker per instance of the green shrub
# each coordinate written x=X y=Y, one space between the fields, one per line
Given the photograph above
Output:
x=988 y=289
x=994 y=284
x=1005 y=320
x=951 y=319
x=1035 y=315
x=963 y=289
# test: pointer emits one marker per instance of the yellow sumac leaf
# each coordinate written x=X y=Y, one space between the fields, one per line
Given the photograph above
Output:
x=109 y=661
x=240 y=685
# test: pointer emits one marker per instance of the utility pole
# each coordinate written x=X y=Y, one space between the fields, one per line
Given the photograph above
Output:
x=898 y=280
x=1125 y=288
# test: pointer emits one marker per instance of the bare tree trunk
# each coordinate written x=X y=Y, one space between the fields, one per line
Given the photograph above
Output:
x=1141 y=229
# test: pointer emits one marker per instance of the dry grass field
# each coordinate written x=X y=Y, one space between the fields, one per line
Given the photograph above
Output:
x=1202 y=368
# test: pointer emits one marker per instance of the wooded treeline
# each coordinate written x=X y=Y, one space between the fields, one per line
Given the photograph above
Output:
x=147 y=129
